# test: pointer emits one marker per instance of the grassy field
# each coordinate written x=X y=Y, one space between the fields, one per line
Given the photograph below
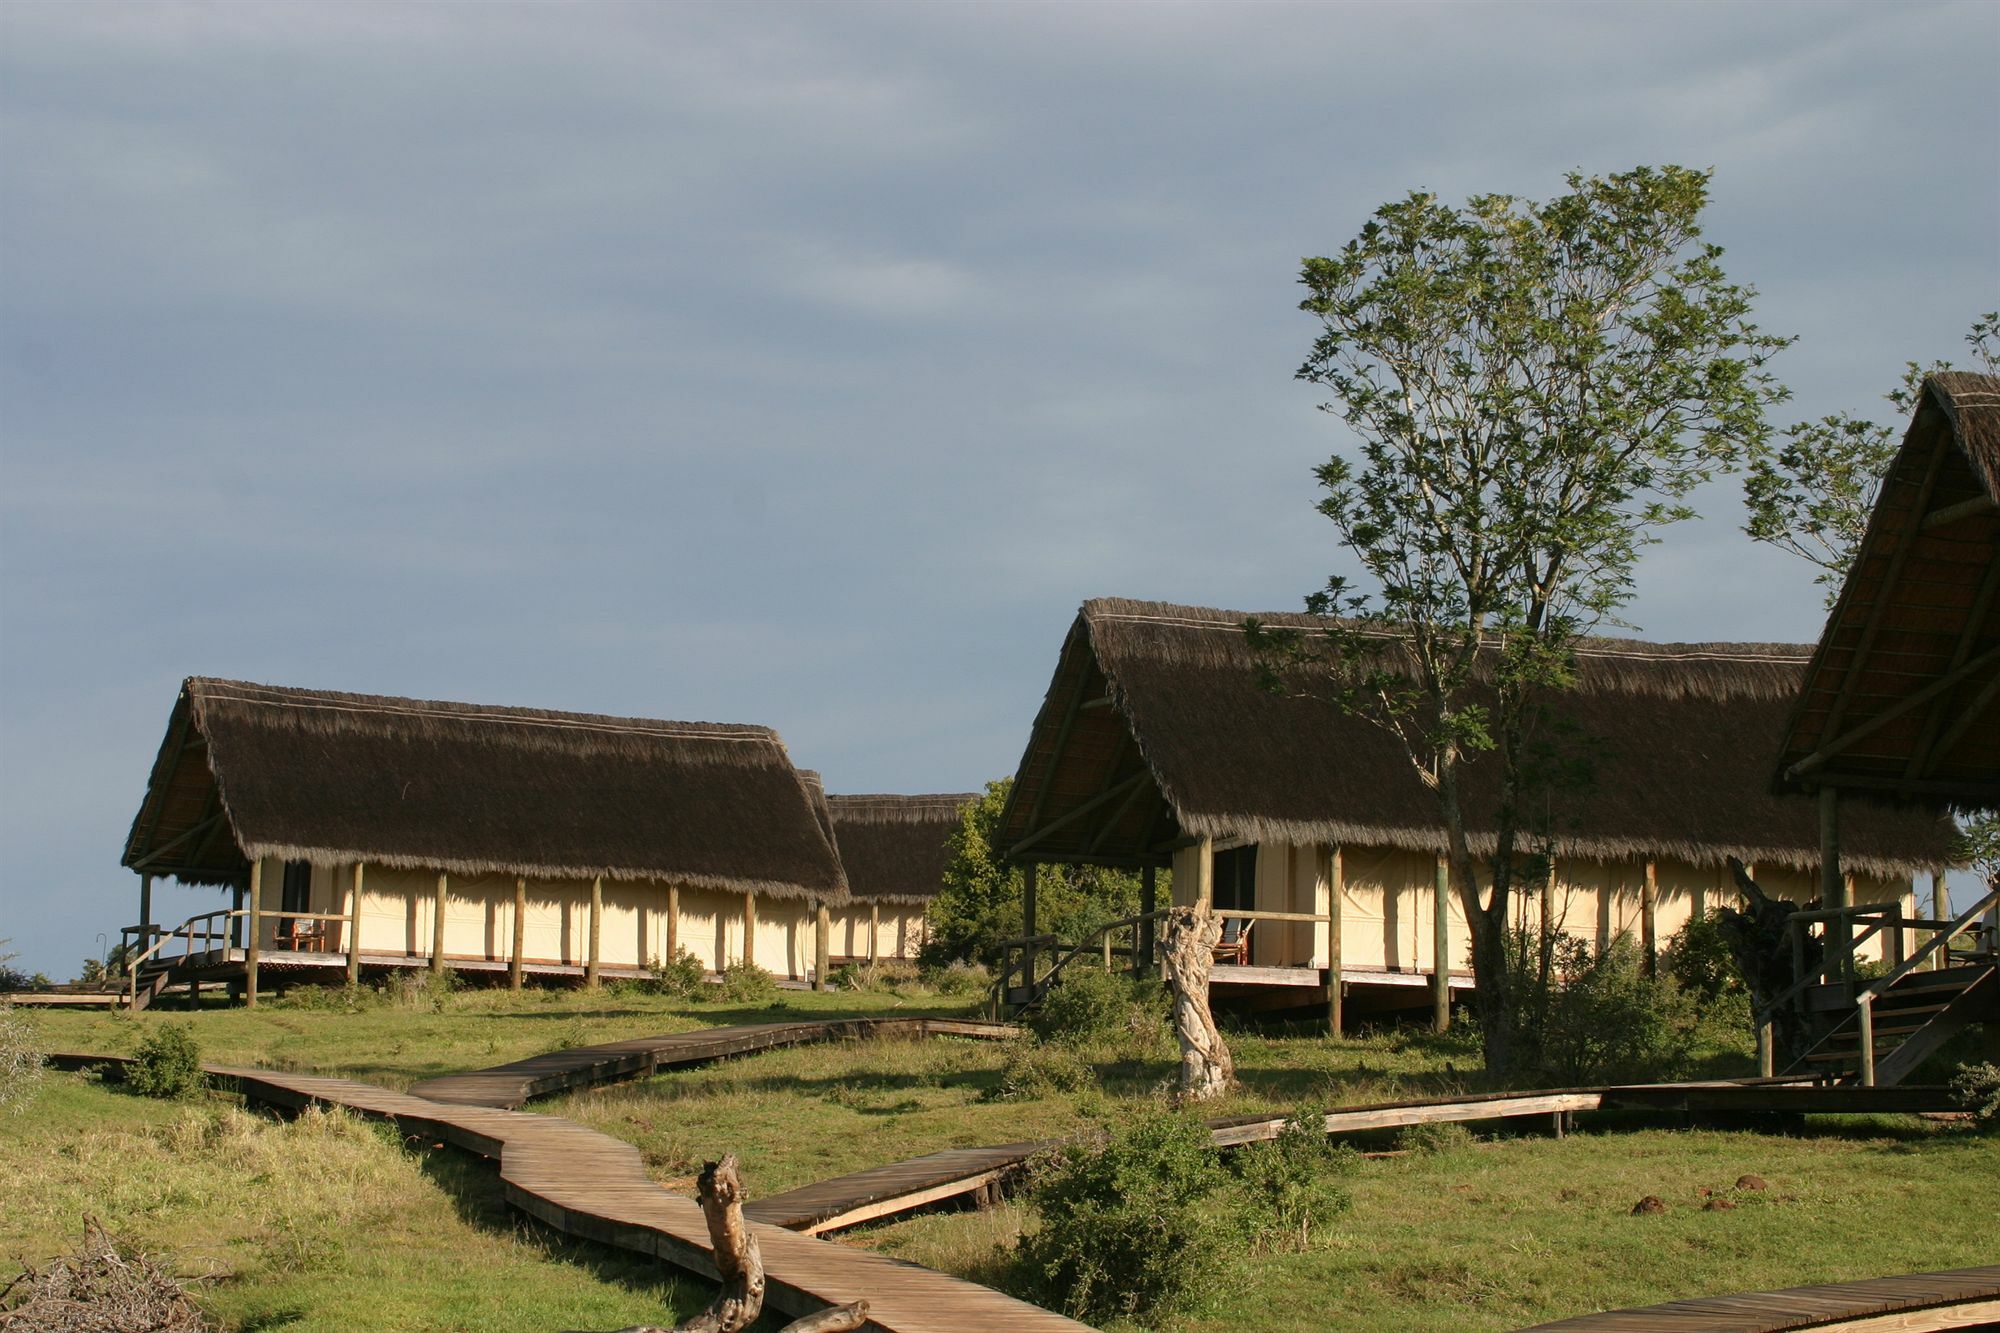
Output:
x=325 y=1222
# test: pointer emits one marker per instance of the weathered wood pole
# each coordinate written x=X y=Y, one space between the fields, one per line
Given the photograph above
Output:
x=1206 y=1068
x=673 y=922
x=1833 y=886
x=1028 y=927
x=1149 y=902
x=437 y=924
x=1649 y=920
x=1441 y=948
x=1549 y=905
x=874 y=932
x=145 y=911
x=1334 y=873
x=1940 y=911
x=593 y=962
x=354 y=926
x=254 y=934
x=749 y=929
x=738 y=1262
x=517 y=955
x=822 y=946
x=1204 y=873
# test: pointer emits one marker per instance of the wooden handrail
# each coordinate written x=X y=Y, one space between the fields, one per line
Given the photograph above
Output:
x=1955 y=928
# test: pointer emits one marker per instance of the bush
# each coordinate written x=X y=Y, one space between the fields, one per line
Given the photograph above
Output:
x=21 y=1060
x=1036 y=1069
x=684 y=975
x=1087 y=1005
x=1976 y=1088
x=886 y=975
x=1126 y=1225
x=1594 y=1016
x=424 y=991
x=747 y=983
x=1292 y=1184
x=958 y=978
x=168 y=1064
x=1697 y=957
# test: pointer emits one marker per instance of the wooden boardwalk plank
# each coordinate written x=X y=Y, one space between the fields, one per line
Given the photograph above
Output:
x=1810 y=1307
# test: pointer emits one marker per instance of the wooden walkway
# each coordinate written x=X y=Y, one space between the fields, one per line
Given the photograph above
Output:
x=1956 y=1298
x=512 y=1085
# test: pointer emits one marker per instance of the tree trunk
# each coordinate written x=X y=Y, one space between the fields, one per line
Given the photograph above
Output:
x=1189 y=951
x=737 y=1260
x=1487 y=926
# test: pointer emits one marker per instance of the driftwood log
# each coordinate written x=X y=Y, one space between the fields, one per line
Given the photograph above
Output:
x=1188 y=951
x=740 y=1266
x=1761 y=946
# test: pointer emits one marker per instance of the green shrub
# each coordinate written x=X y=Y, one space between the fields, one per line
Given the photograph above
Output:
x=167 y=1064
x=21 y=1060
x=747 y=983
x=422 y=990
x=1697 y=957
x=1437 y=1136
x=1087 y=1005
x=345 y=999
x=1035 y=1069
x=1976 y=1088
x=958 y=978
x=1592 y=1016
x=1291 y=1184
x=684 y=975
x=1126 y=1226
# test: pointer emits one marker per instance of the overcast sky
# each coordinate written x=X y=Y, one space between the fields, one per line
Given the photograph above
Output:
x=807 y=365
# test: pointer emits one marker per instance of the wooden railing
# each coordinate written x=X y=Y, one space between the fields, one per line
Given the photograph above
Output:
x=203 y=934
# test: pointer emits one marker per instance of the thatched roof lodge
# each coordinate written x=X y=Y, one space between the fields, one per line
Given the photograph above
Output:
x=485 y=837
x=1155 y=746
x=894 y=850
x=1902 y=695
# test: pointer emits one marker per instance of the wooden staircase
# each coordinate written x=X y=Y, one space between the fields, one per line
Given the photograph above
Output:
x=1912 y=1019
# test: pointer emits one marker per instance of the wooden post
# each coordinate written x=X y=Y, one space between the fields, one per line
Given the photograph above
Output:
x=673 y=922
x=1549 y=905
x=1028 y=926
x=1833 y=887
x=749 y=929
x=517 y=958
x=1940 y=911
x=822 y=946
x=1765 y=1056
x=1335 y=874
x=1149 y=902
x=255 y=934
x=874 y=932
x=1441 y=949
x=592 y=965
x=354 y=927
x=233 y=937
x=1892 y=933
x=145 y=911
x=437 y=925
x=1649 y=920
x=1204 y=874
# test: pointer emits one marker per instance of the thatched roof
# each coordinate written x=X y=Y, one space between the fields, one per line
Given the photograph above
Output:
x=251 y=771
x=1903 y=694
x=1154 y=729
x=895 y=848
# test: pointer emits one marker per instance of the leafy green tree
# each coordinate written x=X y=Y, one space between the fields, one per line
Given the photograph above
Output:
x=1535 y=389
x=979 y=904
x=1813 y=494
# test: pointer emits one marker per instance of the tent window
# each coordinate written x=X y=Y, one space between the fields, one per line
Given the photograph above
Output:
x=1236 y=879
x=298 y=887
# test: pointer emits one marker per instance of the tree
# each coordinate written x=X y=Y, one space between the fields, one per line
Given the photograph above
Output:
x=1813 y=495
x=979 y=904
x=1535 y=388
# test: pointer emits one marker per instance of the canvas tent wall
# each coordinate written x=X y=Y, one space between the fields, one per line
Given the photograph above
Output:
x=894 y=850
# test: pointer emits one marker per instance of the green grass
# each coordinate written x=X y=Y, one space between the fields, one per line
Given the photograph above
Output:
x=324 y=1223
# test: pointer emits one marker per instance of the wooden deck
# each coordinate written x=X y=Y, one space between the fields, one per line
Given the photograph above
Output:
x=1955 y=1298
x=511 y=1085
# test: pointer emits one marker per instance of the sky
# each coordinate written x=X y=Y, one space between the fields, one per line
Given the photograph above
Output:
x=807 y=365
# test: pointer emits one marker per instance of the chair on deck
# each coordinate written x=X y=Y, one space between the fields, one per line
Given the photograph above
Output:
x=1234 y=946
x=305 y=936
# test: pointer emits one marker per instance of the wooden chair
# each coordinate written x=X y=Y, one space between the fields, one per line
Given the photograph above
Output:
x=1234 y=946
x=305 y=936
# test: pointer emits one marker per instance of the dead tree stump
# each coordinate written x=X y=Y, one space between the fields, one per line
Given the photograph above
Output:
x=1189 y=950
x=737 y=1260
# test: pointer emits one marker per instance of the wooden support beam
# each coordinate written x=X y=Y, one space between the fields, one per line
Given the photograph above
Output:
x=749 y=929
x=822 y=945
x=874 y=932
x=1940 y=911
x=1828 y=749
x=1056 y=826
x=1149 y=902
x=1055 y=755
x=437 y=924
x=1334 y=873
x=1975 y=621
x=1441 y=949
x=517 y=955
x=1028 y=922
x=145 y=910
x=1204 y=873
x=592 y=965
x=1549 y=901
x=1649 y=919
x=673 y=922
x=354 y=926
x=1978 y=504
x=1833 y=885
x=255 y=945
